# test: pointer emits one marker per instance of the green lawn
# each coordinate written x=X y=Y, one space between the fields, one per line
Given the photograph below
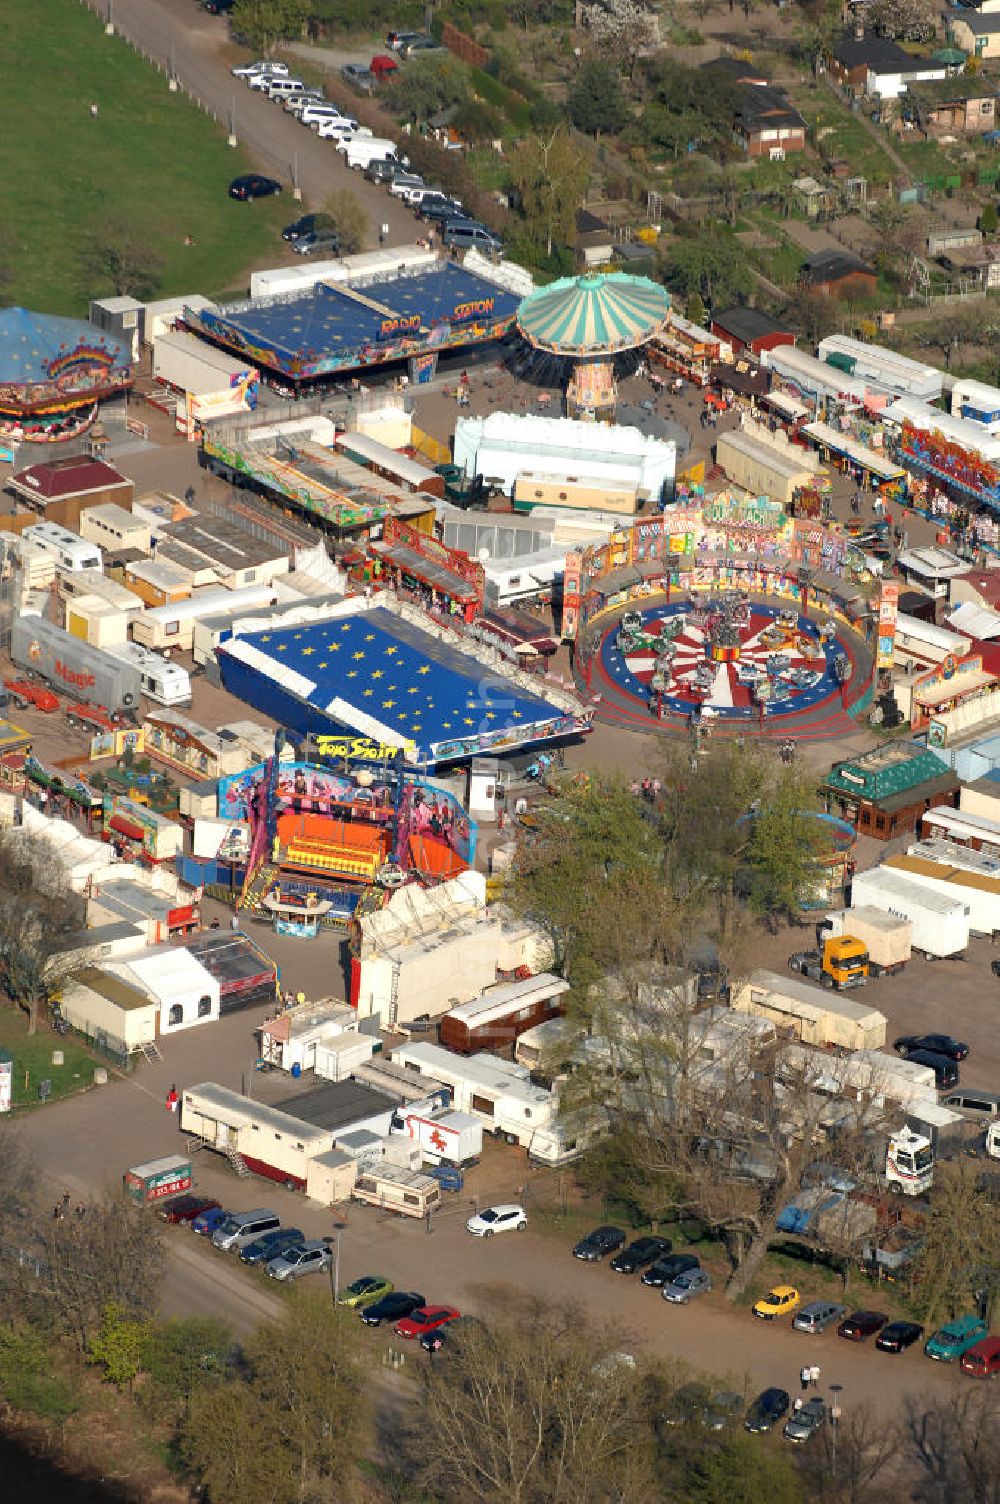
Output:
x=838 y=133
x=150 y=161
x=32 y=1057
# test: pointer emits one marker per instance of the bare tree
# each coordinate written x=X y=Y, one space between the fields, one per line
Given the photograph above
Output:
x=40 y=917
x=961 y=1239
x=954 y=1442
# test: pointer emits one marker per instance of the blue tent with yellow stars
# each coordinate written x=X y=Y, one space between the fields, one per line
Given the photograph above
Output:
x=375 y=676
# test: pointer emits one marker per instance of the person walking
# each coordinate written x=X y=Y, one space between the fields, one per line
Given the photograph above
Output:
x=805 y=1374
x=814 y=1375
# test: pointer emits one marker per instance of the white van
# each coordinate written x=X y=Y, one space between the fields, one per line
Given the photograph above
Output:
x=240 y=1228
x=166 y=683
x=340 y=128
x=70 y=551
x=284 y=88
x=364 y=149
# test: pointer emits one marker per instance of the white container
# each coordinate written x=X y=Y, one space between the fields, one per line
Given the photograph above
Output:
x=940 y=922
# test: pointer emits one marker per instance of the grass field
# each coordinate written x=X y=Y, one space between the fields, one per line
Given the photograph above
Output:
x=150 y=162
x=33 y=1055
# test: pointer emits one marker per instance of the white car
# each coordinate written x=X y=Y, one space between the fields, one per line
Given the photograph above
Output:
x=249 y=70
x=493 y=1219
x=298 y=102
x=312 y=111
x=341 y=129
x=401 y=186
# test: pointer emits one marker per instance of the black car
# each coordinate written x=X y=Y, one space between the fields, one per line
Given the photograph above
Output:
x=686 y=1405
x=945 y=1070
x=767 y=1410
x=262 y=1250
x=937 y=1044
x=640 y=1253
x=439 y=207
x=862 y=1324
x=597 y=1244
x=392 y=1307
x=665 y=1271
x=307 y=224
x=898 y=1335
x=253 y=185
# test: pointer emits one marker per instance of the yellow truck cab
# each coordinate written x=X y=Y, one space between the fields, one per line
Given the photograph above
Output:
x=842 y=962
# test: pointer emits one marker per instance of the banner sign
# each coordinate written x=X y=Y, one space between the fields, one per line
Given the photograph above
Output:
x=888 y=612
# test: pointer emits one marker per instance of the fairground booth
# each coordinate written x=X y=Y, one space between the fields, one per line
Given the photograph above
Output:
x=53 y=373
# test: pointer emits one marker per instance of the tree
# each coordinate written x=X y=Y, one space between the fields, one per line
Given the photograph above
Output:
x=551 y=174
x=123 y=259
x=989 y=220
x=909 y=20
x=713 y=265
x=428 y=85
x=785 y=847
x=40 y=919
x=111 y=1257
x=289 y=1430
x=534 y=1408
x=264 y=23
x=347 y=215
x=119 y=1346
x=961 y=1239
x=812 y=312
x=596 y=102
x=954 y=1444
x=185 y=1355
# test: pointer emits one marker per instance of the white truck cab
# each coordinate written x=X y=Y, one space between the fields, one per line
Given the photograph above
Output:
x=909 y=1163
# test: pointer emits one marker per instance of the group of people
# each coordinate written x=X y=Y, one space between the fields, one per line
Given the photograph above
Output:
x=809 y=1379
x=61 y=1209
x=648 y=789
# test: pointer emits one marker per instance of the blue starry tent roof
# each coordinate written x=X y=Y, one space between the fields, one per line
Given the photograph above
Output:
x=588 y=315
x=32 y=343
x=385 y=679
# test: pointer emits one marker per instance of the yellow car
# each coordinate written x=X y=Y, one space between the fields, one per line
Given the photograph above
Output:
x=364 y=1290
x=781 y=1301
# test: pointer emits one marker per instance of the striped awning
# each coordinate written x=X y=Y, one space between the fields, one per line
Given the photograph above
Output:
x=593 y=315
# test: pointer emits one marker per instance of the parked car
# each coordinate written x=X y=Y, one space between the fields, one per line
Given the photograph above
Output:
x=185 y=1208
x=296 y=103
x=955 y=1338
x=803 y=1425
x=306 y=224
x=263 y=1250
x=938 y=1044
x=861 y=1324
x=310 y=1257
x=218 y=8
x=361 y=1292
x=262 y=66
x=770 y=1406
x=313 y=111
x=206 y=1222
x=358 y=76
x=687 y=1285
x=395 y=40
x=492 y=1219
x=439 y=209
x=384 y=169
x=639 y=1253
x=977 y=1106
x=818 y=1315
x=323 y=243
x=403 y=182
x=898 y=1336
x=337 y=128
x=383 y=66
x=686 y=1405
x=599 y=1243
x=946 y=1073
x=424 y=1319
x=467 y=235
x=983 y=1360
x=781 y=1301
x=723 y=1411
x=253 y=185
x=420 y=46
x=391 y=1307
x=447 y=1177
x=665 y=1271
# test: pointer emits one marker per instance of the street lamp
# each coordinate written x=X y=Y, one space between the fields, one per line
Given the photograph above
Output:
x=835 y=1413
x=335 y=1267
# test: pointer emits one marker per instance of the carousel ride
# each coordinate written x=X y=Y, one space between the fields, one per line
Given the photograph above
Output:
x=582 y=325
x=725 y=656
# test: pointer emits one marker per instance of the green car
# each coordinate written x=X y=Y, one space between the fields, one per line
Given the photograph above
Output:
x=955 y=1338
x=368 y=1288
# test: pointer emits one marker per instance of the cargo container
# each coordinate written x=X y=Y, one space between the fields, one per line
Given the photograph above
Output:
x=969 y=878
x=809 y=1014
x=158 y=1179
x=330 y=1177
x=450 y=1138
x=73 y=667
x=496 y=1018
x=404 y=1191
x=166 y=683
x=940 y=923
x=887 y=939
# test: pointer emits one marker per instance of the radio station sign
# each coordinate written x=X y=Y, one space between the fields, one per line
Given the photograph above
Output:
x=401 y=324
x=478 y=308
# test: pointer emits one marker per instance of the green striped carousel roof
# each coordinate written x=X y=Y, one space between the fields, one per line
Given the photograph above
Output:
x=593 y=315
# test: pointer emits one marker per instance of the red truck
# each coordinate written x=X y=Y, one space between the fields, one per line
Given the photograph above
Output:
x=93 y=717
x=24 y=694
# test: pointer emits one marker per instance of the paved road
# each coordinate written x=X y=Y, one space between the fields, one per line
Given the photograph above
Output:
x=198 y=47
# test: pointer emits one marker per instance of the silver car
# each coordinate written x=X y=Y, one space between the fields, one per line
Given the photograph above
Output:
x=818 y=1315
x=687 y=1285
x=310 y=1257
x=804 y=1424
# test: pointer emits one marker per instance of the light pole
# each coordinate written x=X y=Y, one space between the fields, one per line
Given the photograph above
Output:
x=335 y=1267
x=835 y=1413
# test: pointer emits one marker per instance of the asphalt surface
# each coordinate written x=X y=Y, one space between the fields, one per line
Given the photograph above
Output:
x=180 y=34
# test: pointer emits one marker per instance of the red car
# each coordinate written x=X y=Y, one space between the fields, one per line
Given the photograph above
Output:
x=424 y=1319
x=186 y=1208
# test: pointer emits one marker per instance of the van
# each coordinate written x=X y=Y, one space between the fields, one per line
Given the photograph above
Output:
x=466 y=234
x=241 y=1228
x=384 y=169
x=983 y=1360
x=978 y=1106
x=364 y=149
x=284 y=88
